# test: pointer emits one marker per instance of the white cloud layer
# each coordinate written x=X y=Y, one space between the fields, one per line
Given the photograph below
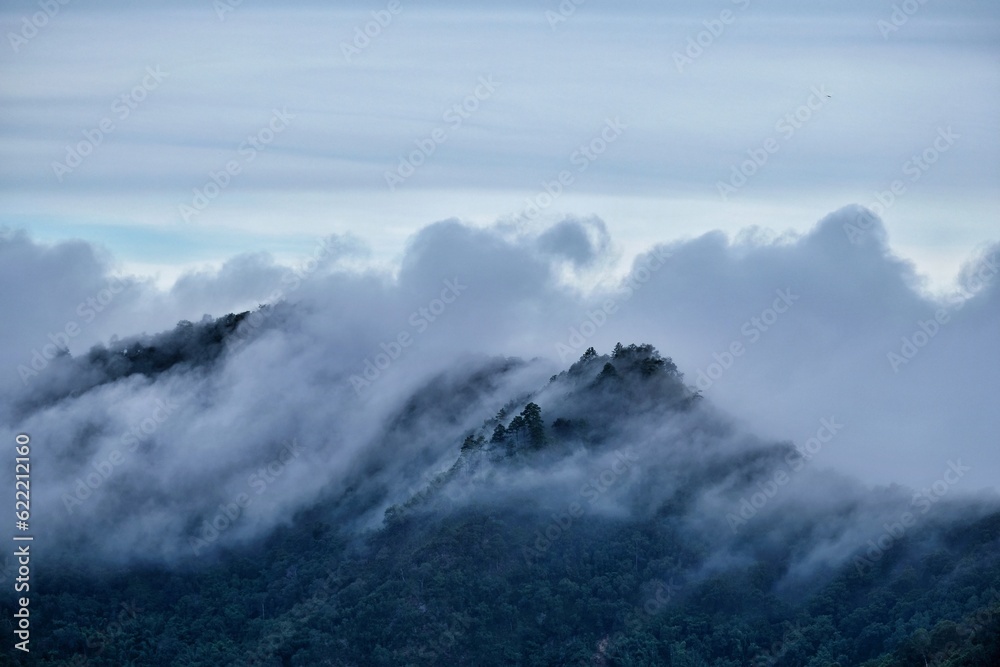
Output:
x=780 y=331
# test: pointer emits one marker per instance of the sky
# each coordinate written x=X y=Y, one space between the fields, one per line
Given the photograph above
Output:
x=358 y=107
x=800 y=210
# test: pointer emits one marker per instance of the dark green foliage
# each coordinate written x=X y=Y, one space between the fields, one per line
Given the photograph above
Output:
x=644 y=359
x=516 y=428
x=564 y=428
x=188 y=346
x=525 y=428
x=533 y=424
x=187 y=343
x=461 y=590
x=499 y=433
x=512 y=583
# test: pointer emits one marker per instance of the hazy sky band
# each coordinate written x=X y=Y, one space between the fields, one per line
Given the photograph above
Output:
x=701 y=87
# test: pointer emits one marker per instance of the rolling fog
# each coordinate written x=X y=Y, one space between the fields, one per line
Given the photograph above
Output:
x=361 y=382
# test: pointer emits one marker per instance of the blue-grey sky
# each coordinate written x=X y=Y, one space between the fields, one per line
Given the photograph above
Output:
x=199 y=78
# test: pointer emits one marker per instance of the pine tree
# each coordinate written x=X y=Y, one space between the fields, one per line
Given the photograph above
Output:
x=516 y=426
x=532 y=415
x=607 y=373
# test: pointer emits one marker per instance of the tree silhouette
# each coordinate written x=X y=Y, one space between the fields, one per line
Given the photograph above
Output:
x=607 y=373
x=532 y=415
x=516 y=427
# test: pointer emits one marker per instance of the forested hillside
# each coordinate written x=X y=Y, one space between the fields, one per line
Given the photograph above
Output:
x=610 y=517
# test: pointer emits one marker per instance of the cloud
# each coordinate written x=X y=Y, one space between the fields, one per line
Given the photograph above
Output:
x=262 y=429
x=579 y=242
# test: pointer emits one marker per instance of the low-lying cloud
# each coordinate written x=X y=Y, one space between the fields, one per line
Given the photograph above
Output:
x=141 y=464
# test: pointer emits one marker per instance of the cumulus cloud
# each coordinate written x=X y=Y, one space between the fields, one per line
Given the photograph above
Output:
x=361 y=382
x=579 y=242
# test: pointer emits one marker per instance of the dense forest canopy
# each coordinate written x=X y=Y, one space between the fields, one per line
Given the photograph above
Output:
x=587 y=522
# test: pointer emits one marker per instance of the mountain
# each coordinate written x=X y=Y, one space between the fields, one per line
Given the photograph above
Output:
x=608 y=516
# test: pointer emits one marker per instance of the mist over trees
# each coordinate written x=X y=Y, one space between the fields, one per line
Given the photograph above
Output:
x=520 y=334
x=586 y=520
x=220 y=492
